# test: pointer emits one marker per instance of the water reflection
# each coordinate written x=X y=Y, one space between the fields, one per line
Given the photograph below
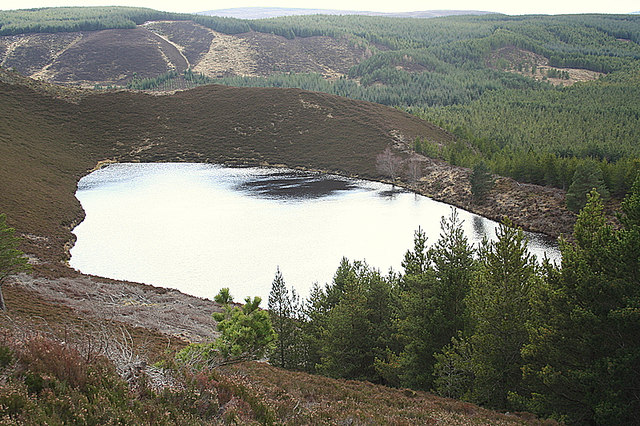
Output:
x=294 y=186
x=478 y=227
x=199 y=227
x=391 y=193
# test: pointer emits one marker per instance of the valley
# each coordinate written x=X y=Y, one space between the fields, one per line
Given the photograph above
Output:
x=56 y=135
x=514 y=117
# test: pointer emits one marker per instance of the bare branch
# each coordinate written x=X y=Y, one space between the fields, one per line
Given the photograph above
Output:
x=389 y=163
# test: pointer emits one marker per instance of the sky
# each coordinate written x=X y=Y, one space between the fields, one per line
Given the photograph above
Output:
x=510 y=7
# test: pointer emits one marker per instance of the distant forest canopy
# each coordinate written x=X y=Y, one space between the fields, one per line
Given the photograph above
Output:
x=566 y=40
x=68 y=19
x=484 y=78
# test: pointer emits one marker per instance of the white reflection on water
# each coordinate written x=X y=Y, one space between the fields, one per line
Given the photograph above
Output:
x=198 y=228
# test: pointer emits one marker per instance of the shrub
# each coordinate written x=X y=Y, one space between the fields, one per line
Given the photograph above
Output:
x=6 y=356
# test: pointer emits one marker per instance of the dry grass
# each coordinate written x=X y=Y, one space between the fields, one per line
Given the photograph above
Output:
x=328 y=56
x=300 y=399
x=31 y=313
x=166 y=311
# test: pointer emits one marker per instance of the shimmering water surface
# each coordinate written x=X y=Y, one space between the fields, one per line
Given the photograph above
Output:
x=198 y=228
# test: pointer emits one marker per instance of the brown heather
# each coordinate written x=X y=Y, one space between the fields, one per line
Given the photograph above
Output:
x=47 y=141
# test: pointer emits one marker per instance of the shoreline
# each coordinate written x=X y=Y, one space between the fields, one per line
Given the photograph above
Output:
x=553 y=220
x=493 y=207
x=395 y=230
x=160 y=308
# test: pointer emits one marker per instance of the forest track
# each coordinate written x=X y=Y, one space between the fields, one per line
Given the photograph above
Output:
x=179 y=48
x=45 y=73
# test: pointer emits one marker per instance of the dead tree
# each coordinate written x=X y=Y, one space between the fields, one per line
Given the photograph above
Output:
x=414 y=169
x=389 y=164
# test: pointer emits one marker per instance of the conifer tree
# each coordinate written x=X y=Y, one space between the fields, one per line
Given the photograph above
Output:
x=285 y=316
x=245 y=333
x=313 y=327
x=416 y=315
x=584 y=348
x=481 y=181
x=431 y=300
x=358 y=326
x=587 y=177
x=453 y=369
x=347 y=347
x=453 y=261
x=498 y=305
x=316 y=310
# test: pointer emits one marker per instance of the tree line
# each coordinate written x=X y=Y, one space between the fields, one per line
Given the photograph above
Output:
x=487 y=324
x=69 y=19
x=542 y=136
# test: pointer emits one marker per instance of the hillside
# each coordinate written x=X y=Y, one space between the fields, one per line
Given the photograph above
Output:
x=50 y=136
x=115 y=56
x=516 y=91
x=53 y=342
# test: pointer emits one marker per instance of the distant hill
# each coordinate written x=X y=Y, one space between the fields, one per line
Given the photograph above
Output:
x=274 y=12
x=115 y=56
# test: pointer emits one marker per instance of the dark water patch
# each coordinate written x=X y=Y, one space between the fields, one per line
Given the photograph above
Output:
x=391 y=193
x=294 y=186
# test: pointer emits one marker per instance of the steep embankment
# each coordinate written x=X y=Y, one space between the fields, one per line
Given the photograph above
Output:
x=43 y=155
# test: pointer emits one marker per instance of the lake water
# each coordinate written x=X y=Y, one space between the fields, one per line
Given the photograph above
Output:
x=198 y=227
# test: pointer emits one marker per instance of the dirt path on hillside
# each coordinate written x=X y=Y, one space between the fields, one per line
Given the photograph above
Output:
x=179 y=48
x=46 y=73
